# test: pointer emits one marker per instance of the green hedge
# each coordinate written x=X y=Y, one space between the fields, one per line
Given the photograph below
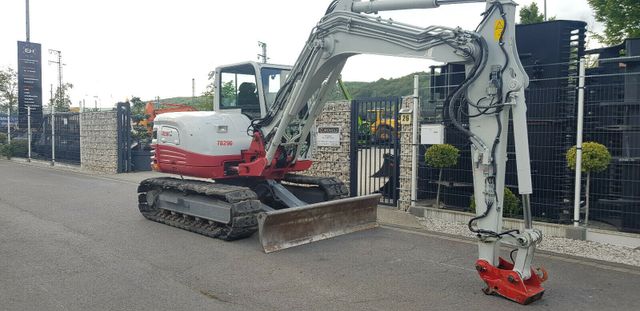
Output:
x=17 y=148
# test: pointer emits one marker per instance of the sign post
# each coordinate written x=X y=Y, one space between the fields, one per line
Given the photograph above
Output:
x=29 y=132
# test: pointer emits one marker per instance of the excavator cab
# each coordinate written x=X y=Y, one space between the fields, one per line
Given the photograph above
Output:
x=249 y=88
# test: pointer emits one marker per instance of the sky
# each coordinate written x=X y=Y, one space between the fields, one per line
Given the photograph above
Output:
x=116 y=49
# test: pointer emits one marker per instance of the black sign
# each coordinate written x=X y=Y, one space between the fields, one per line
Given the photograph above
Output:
x=29 y=83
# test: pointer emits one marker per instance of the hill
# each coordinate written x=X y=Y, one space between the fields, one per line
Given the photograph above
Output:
x=402 y=86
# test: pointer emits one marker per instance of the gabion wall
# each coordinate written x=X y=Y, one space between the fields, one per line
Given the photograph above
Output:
x=99 y=141
x=333 y=161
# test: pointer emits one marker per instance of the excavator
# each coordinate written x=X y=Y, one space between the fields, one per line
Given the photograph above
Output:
x=153 y=109
x=245 y=158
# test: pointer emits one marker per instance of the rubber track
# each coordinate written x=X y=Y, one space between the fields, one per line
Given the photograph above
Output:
x=244 y=207
x=333 y=187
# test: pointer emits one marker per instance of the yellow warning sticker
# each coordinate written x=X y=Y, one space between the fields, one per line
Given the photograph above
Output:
x=498 y=29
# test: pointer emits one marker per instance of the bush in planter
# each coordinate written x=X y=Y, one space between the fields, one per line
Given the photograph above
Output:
x=441 y=156
x=17 y=148
x=595 y=158
x=511 y=206
x=3 y=138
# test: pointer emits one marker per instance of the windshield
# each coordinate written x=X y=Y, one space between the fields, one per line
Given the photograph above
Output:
x=272 y=80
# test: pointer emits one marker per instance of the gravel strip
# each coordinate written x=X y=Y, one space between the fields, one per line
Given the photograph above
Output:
x=587 y=249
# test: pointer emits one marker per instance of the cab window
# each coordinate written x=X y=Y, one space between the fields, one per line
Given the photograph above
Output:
x=272 y=80
x=239 y=91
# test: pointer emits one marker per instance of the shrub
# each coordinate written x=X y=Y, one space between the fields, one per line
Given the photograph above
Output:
x=3 y=138
x=443 y=155
x=595 y=157
x=511 y=206
x=17 y=148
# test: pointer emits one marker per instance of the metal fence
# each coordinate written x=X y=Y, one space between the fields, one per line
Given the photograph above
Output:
x=67 y=138
x=611 y=118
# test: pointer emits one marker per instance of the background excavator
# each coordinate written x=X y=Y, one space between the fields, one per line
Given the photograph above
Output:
x=257 y=138
x=152 y=109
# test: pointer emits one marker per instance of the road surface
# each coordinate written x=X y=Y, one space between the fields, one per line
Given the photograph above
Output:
x=73 y=241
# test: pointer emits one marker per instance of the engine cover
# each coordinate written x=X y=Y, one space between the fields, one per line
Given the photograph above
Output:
x=200 y=143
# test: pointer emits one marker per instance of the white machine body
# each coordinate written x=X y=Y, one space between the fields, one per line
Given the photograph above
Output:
x=208 y=133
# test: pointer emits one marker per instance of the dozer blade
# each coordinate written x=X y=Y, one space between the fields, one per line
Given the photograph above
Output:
x=291 y=227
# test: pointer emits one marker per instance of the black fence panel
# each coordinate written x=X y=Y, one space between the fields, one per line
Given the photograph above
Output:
x=612 y=118
x=67 y=138
x=375 y=148
x=551 y=109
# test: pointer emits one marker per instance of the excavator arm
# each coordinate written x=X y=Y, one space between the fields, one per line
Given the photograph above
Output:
x=492 y=91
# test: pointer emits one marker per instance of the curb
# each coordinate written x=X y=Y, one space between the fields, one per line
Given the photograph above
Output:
x=43 y=163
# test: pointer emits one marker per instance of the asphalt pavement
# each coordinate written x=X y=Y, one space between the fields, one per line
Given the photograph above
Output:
x=75 y=241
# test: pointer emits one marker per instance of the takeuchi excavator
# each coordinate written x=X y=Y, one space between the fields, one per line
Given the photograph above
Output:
x=248 y=153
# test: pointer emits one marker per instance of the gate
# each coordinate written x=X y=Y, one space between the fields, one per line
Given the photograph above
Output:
x=375 y=148
x=123 y=115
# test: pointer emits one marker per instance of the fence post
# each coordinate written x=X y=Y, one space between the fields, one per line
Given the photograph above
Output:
x=414 y=140
x=53 y=135
x=9 y=124
x=29 y=133
x=353 y=150
x=578 y=179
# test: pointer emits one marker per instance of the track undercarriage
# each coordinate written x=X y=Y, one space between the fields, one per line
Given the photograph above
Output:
x=228 y=210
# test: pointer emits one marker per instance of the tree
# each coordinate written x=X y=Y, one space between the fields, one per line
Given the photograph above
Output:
x=137 y=109
x=61 y=99
x=531 y=14
x=228 y=90
x=208 y=93
x=441 y=156
x=140 y=129
x=8 y=89
x=621 y=19
x=595 y=158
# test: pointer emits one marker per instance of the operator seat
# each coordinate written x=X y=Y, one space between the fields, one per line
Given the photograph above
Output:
x=248 y=100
